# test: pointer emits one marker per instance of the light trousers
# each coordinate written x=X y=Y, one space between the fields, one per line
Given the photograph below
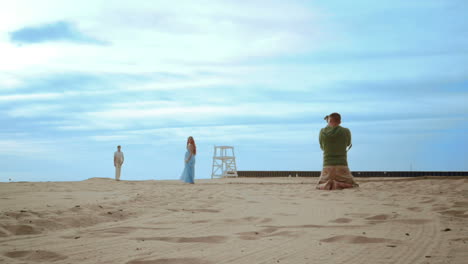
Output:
x=117 y=172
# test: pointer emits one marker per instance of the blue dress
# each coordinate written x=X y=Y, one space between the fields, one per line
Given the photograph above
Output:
x=188 y=174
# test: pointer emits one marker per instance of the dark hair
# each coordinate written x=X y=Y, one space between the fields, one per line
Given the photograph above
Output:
x=118 y=146
x=334 y=116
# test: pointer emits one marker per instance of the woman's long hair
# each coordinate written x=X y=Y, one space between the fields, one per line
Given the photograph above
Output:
x=190 y=140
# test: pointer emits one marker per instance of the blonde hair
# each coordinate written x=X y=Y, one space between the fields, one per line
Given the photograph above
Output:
x=190 y=140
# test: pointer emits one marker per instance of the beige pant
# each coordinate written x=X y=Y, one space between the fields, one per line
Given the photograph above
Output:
x=336 y=177
x=117 y=172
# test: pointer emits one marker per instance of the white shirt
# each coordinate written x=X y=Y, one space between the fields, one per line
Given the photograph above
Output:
x=119 y=157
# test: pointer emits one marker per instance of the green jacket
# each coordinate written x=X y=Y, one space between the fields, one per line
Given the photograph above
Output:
x=334 y=142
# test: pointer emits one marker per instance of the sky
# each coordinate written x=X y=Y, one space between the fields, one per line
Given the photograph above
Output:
x=78 y=78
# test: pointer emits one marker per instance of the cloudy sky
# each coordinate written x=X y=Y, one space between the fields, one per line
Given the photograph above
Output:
x=78 y=78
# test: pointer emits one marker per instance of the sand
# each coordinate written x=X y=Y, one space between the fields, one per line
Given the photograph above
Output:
x=271 y=220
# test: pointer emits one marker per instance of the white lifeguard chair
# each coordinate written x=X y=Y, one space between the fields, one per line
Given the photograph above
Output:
x=224 y=162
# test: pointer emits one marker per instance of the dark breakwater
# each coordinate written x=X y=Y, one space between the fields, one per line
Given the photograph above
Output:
x=260 y=174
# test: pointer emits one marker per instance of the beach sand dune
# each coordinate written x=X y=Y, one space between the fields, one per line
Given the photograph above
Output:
x=271 y=220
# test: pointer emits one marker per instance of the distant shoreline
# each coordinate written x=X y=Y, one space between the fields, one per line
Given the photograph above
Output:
x=286 y=174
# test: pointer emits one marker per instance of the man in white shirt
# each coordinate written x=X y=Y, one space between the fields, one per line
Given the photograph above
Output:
x=118 y=161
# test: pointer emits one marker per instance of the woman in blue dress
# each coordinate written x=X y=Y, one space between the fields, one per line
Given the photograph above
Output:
x=188 y=174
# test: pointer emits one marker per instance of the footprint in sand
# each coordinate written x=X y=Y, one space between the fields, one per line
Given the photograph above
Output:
x=357 y=215
x=383 y=217
x=380 y=217
x=200 y=221
x=266 y=232
x=19 y=230
x=253 y=235
x=117 y=230
x=22 y=214
x=464 y=240
x=249 y=219
x=205 y=239
x=194 y=210
x=110 y=232
x=357 y=239
x=205 y=210
x=285 y=214
x=455 y=213
x=35 y=255
x=415 y=209
x=341 y=221
x=428 y=200
x=256 y=219
x=391 y=204
x=413 y=221
x=460 y=204
x=171 y=261
x=437 y=208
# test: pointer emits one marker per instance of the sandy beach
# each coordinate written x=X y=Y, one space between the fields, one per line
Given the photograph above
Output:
x=271 y=220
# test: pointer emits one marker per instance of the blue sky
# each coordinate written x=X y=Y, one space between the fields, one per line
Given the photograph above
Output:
x=79 y=78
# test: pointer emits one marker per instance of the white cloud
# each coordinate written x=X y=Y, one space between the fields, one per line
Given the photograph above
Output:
x=159 y=34
x=53 y=96
x=26 y=147
x=16 y=59
x=9 y=82
x=223 y=134
x=35 y=110
x=28 y=97
x=112 y=138
x=159 y=113
x=213 y=109
x=183 y=84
